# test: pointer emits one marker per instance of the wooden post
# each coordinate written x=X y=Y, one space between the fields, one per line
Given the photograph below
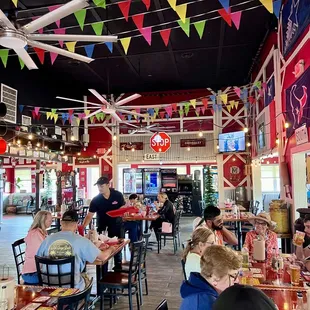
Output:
x=38 y=167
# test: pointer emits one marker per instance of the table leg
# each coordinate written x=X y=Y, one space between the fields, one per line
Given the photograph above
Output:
x=239 y=232
x=146 y=229
x=100 y=271
x=58 y=224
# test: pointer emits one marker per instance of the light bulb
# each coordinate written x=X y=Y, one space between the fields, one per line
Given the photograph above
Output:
x=246 y=129
x=200 y=134
x=278 y=141
x=45 y=147
x=114 y=137
x=286 y=125
x=36 y=148
x=234 y=159
x=143 y=160
x=218 y=147
x=38 y=144
x=61 y=146
x=84 y=149
x=160 y=162
x=78 y=154
x=30 y=136
x=62 y=152
x=133 y=149
x=95 y=156
x=268 y=162
x=10 y=144
x=72 y=138
x=188 y=148
x=248 y=144
x=126 y=159
x=18 y=142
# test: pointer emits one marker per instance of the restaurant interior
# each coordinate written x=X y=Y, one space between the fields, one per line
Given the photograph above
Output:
x=154 y=154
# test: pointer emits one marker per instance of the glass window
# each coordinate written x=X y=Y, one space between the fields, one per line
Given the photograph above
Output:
x=270 y=178
x=23 y=180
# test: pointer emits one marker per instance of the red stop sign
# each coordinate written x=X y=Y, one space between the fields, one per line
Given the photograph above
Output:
x=160 y=142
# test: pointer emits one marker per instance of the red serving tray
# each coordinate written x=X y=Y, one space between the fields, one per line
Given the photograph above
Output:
x=120 y=212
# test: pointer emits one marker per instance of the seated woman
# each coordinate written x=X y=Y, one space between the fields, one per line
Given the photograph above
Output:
x=36 y=234
x=262 y=228
x=243 y=297
x=219 y=269
x=303 y=252
x=165 y=211
x=201 y=239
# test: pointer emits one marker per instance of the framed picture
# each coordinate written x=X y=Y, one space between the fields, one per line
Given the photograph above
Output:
x=261 y=136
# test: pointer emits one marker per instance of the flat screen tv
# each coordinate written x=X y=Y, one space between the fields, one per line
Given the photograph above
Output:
x=232 y=142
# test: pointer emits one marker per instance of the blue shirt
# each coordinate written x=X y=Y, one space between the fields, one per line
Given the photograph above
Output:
x=65 y=244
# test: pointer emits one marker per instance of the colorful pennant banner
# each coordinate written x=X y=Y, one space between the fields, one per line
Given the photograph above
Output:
x=100 y=3
x=124 y=6
x=165 y=35
x=97 y=27
x=4 y=55
x=181 y=11
x=80 y=17
x=185 y=26
x=125 y=43
x=200 y=27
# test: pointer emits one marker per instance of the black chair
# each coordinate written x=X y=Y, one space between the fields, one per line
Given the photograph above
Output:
x=115 y=281
x=77 y=301
x=183 y=269
x=50 y=271
x=163 y=305
x=174 y=236
x=19 y=248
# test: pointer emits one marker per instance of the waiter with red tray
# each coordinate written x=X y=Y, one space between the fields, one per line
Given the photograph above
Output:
x=107 y=200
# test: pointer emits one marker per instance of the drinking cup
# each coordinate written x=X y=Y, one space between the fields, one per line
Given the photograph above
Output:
x=295 y=274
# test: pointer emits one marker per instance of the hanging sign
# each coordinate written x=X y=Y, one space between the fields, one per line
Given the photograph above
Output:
x=192 y=142
x=301 y=135
x=160 y=142
x=79 y=161
x=152 y=156
x=138 y=146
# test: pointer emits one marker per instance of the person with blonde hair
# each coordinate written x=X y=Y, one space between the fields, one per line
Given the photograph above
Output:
x=219 y=269
x=36 y=235
x=166 y=212
x=201 y=239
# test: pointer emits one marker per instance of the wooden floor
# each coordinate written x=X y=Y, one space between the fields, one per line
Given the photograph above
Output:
x=164 y=269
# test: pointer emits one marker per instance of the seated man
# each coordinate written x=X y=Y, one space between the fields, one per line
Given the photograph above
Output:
x=303 y=251
x=214 y=221
x=67 y=243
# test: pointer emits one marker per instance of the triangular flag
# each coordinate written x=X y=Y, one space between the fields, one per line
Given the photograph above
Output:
x=181 y=11
x=100 y=3
x=86 y=112
x=92 y=118
x=167 y=116
x=80 y=17
x=40 y=53
x=185 y=26
x=22 y=64
x=53 y=57
x=15 y=2
x=109 y=46
x=214 y=106
x=55 y=118
x=277 y=7
x=57 y=22
x=48 y=115
x=40 y=30
x=268 y=4
x=232 y=103
x=97 y=27
x=186 y=108
x=237 y=91
x=174 y=107
x=247 y=105
x=165 y=35
x=125 y=43
x=223 y=97
x=203 y=109
x=147 y=34
x=264 y=84
x=129 y=117
x=225 y=15
x=213 y=98
x=4 y=55
x=124 y=6
x=258 y=84
x=21 y=108
x=197 y=111
x=36 y=110
x=53 y=111
x=156 y=111
x=205 y=102
x=173 y=3
x=236 y=17
x=200 y=27
x=78 y=121
x=193 y=102
x=138 y=20
x=225 y=4
x=181 y=112
x=34 y=116
x=162 y=114
x=169 y=110
x=60 y=31
x=228 y=108
x=236 y=104
x=89 y=49
x=54 y=7
x=71 y=46
x=147 y=4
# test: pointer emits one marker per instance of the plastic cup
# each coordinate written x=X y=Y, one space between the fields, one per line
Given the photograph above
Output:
x=299 y=238
x=295 y=274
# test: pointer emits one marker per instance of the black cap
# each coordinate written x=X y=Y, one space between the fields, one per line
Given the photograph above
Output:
x=102 y=180
x=70 y=216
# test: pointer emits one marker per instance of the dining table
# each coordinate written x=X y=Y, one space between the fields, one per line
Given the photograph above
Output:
x=39 y=297
x=141 y=218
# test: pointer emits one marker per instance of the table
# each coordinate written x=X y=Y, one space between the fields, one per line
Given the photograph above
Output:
x=57 y=217
x=26 y=294
x=241 y=208
x=141 y=218
x=101 y=267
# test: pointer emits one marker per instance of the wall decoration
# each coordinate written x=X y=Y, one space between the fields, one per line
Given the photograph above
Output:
x=261 y=136
x=193 y=142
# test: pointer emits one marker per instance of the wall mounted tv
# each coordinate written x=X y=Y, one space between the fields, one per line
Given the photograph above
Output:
x=232 y=142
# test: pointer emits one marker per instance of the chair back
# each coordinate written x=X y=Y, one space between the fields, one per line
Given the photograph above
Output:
x=146 y=238
x=77 y=301
x=163 y=305
x=135 y=260
x=176 y=225
x=184 y=245
x=53 y=272
x=183 y=268
x=19 y=248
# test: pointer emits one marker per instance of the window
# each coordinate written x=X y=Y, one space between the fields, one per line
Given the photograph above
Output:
x=270 y=178
x=23 y=180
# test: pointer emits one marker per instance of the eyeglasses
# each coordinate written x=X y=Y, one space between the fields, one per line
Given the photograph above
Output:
x=233 y=277
x=211 y=243
x=260 y=223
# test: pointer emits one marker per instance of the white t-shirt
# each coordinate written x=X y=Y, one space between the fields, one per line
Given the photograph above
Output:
x=192 y=263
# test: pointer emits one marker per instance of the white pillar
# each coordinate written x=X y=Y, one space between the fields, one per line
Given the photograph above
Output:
x=257 y=184
x=220 y=172
x=115 y=149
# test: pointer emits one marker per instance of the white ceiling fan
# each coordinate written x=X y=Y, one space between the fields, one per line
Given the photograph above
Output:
x=149 y=128
x=110 y=107
x=18 y=39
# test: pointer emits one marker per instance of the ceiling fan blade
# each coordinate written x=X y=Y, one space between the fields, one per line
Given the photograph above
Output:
x=116 y=117
x=133 y=132
x=77 y=108
x=72 y=37
x=81 y=101
x=130 y=112
x=151 y=126
x=93 y=113
x=129 y=124
x=53 y=16
x=5 y=22
x=128 y=99
x=23 y=54
x=99 y=97
x=147 y=107
x=53 y=49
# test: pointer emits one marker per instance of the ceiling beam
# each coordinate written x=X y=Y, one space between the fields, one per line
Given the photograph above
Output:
x=170 y=50
x=220 y=48
x=119 y=49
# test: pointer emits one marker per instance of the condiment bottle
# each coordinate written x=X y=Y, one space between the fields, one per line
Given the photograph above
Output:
x=300 y=302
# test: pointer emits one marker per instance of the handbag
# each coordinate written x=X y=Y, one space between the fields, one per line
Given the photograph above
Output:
x=166 y=227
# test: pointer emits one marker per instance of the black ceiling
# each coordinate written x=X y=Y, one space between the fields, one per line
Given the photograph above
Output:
x=223 y=57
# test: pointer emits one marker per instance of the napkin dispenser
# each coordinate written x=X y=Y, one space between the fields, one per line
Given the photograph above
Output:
x=7 y=291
